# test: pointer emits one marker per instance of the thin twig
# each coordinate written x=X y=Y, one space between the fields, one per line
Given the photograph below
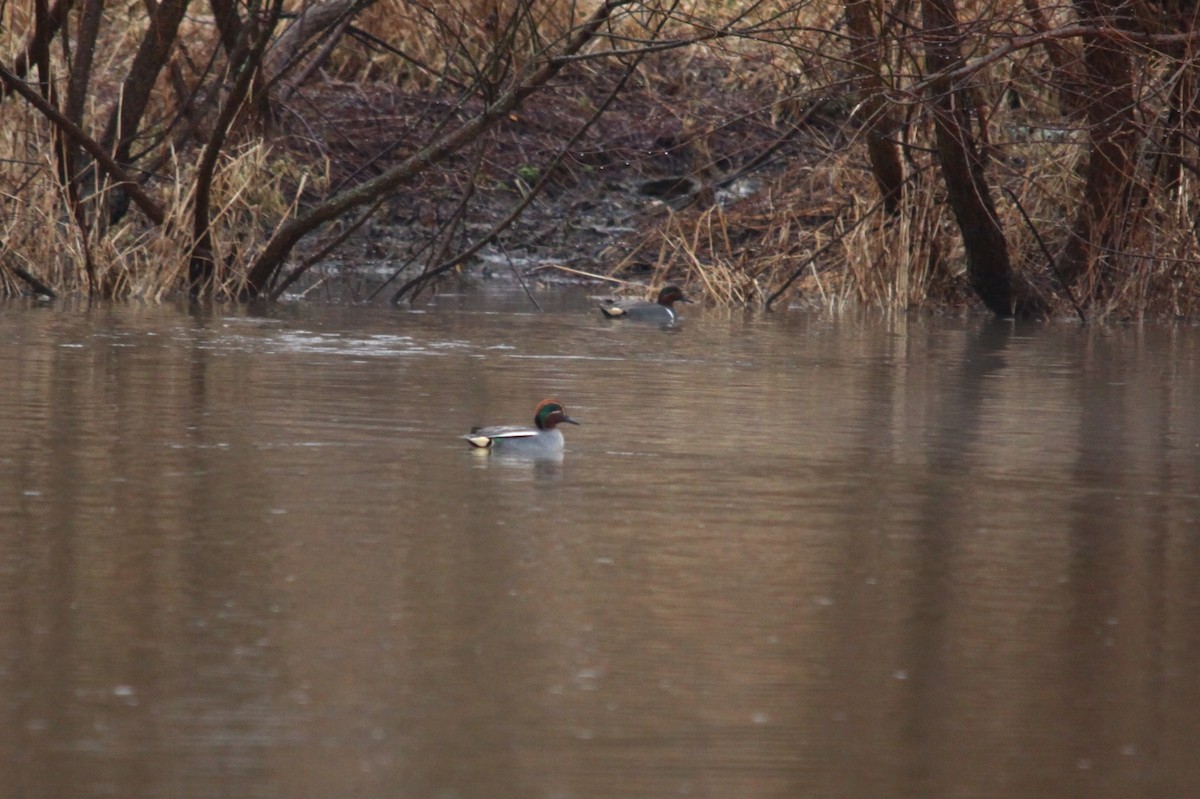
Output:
x=1058 y=275
x=320 y=254
x=534 y=191
x=572 y=271
x=445 y=233
x=152 y=209
x=531 y=79
x=821 y=251
x=517 y=273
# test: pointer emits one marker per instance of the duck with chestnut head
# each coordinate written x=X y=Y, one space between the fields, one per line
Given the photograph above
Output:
x=660 y=311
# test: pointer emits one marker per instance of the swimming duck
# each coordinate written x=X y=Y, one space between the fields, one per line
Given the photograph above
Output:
x=544 y=438
x=659 y=311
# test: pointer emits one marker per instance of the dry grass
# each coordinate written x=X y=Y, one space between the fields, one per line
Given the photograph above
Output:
x=254 y=189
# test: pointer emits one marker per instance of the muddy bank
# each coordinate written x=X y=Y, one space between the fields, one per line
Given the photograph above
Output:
x=658 y=154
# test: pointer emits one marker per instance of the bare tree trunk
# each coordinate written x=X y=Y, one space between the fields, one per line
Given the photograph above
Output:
x=1180 y=120
x=49 y=20
x=882 y=124
x=1103 y=217
x=988 y=267
x=44 y=28
x=244 y=64
x=85 y=48
x=1066 y=79
x=72 y=152
x=151 y=57
x=229 y=24
x=139 y=83
x=316 y=18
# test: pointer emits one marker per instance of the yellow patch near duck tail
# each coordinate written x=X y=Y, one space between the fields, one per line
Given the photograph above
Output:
x=482 y=442
x=612 y=311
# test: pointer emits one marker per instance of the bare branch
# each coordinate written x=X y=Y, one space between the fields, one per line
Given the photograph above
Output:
x=150 y=207
x=531 y=78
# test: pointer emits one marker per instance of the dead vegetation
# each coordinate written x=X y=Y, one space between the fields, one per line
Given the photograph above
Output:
x=1040 y=160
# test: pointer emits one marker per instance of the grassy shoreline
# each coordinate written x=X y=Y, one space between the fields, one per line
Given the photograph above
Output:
x=733 y=163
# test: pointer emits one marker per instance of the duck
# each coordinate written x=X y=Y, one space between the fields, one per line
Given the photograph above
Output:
x=659 y=311
x=544 y=438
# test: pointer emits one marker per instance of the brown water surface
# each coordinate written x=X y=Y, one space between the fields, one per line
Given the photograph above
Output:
x=244 y=554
